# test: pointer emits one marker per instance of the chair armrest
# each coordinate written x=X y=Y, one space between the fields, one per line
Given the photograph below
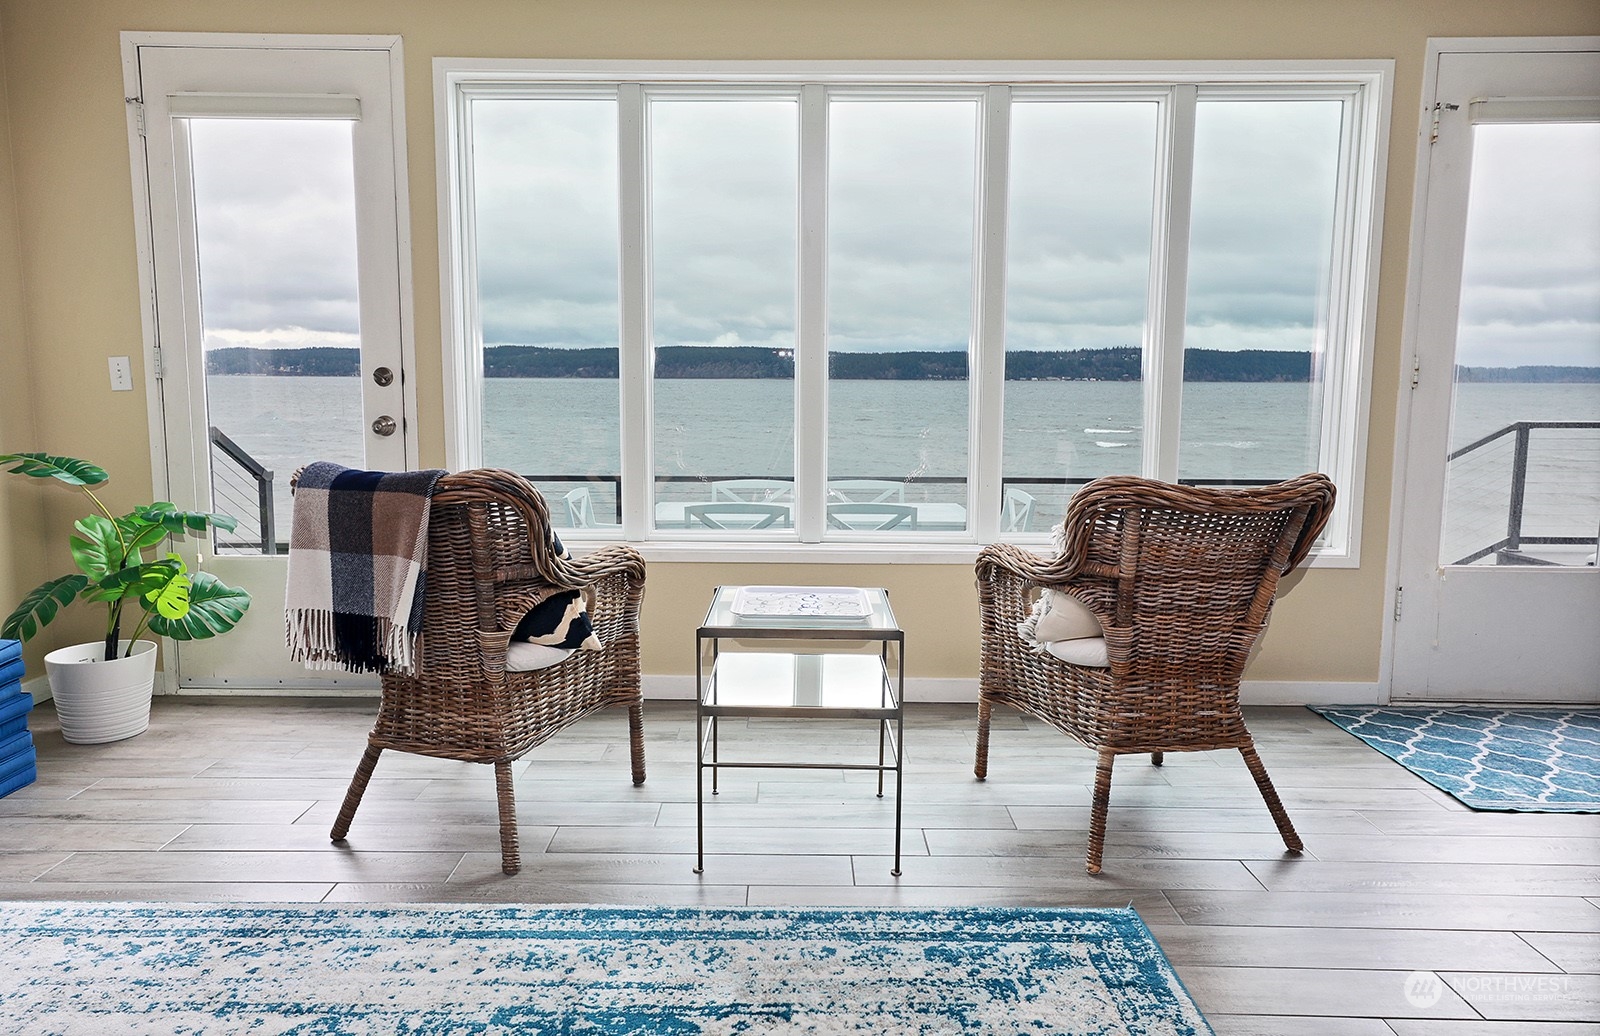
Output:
x=1005 y=565
x=608 y=570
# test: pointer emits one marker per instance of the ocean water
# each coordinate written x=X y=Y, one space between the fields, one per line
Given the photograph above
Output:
x=897 y=430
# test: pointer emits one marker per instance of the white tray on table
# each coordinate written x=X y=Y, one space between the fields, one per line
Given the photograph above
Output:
x=812 y=603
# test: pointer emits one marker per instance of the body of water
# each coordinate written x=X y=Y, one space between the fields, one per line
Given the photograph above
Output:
x=898 y=430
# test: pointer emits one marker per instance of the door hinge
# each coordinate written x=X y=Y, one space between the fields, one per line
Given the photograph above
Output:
x=1416 y=370
x=156 y=366
x=1399 y=595
x=138 y=114
x=1433 y=132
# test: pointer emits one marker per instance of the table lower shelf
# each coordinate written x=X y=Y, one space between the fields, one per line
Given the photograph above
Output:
x=747 y=685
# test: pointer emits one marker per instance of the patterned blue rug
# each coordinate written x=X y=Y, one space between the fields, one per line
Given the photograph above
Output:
x=1528 y=760
x=77 y=968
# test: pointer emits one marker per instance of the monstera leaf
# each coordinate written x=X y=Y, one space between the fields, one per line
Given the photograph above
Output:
x=135 y=580
x=178 y=523
x=98 y=550
x=214 y=608
x=170 y=596
x=70 y=470
x=40 y=606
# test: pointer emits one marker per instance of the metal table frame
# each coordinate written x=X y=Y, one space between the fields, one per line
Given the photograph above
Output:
x=880 y=626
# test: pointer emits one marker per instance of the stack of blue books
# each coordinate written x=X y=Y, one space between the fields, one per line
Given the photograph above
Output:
x=18 y=762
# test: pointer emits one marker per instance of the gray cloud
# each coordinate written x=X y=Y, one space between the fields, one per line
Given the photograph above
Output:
x=277 y=240
x=275 y=215
x=1530 y=279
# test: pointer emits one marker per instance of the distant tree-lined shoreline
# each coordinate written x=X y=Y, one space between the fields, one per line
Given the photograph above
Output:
x=1117 y=364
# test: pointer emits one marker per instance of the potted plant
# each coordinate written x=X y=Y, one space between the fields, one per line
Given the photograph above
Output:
x=102 y=689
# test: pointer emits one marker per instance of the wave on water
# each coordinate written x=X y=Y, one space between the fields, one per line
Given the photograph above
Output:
x=1108 y=431
x=1111 y=445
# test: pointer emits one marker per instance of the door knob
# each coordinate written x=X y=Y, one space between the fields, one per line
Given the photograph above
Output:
x=384 y=425
x=383 y=376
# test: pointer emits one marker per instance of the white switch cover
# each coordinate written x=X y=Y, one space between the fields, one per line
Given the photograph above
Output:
x=121 y=374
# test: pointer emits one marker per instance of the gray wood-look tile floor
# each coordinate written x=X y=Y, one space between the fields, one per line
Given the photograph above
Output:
x=1409 y=915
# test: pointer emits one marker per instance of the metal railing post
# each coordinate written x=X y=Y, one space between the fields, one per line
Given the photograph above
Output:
x=263 y=480
x=269 y=532
x=1519 y=487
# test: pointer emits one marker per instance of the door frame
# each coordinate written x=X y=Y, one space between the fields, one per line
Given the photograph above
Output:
x=1412 y=352
x=168 y=678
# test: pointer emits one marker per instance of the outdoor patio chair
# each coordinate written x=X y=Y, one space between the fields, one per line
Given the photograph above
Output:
x=871 y=517
x=1180 y=580
x=735 y=514
x=753 y=490
x=489 y=562
x=866 y=491
x=580 y=510
x=1016 y=509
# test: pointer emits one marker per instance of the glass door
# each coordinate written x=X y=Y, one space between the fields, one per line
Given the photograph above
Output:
x=274 y=236
x=1499 y=594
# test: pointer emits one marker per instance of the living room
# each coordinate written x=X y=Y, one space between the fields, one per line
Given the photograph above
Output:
x=775 y=182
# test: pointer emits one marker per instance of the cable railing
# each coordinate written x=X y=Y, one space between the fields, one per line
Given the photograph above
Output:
x=242 y=487
x=1503 y=464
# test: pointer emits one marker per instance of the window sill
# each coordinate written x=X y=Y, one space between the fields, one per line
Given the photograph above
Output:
x=745 y=552
x=737 y=552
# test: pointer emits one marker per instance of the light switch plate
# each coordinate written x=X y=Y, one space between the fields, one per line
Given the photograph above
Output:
x=121 y=374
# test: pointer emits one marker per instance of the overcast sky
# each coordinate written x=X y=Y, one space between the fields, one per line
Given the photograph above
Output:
x=277 y=237
x=1530 y=284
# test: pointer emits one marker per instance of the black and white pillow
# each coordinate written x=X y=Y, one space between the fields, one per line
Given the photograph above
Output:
x=560 y=620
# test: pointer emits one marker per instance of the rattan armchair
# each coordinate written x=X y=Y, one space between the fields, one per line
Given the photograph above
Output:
x=1181 y=580
x=489 y=562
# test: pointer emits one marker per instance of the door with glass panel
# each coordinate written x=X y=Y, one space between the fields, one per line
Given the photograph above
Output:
x=274 y=242
x=1499 y=597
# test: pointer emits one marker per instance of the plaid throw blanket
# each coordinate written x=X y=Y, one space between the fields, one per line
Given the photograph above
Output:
x=356 y=557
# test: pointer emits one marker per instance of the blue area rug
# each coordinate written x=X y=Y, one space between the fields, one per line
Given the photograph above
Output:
x=1526 y=760
x=77 y=968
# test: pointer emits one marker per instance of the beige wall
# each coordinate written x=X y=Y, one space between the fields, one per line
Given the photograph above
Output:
x=21 y=504
x=69 y=148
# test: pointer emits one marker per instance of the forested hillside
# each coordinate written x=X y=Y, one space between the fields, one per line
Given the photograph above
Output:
x=1121 y=364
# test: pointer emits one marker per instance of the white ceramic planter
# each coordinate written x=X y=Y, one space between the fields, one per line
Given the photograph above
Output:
x=100 y=701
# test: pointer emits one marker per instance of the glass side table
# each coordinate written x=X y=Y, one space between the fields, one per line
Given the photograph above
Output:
x=807 y=682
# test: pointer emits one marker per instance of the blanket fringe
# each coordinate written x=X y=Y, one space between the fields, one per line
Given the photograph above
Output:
x=309 y=633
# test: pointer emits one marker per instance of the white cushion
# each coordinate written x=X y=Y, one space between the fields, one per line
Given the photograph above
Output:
x=1089 y=651
x=1064 y=617
x=524 y=657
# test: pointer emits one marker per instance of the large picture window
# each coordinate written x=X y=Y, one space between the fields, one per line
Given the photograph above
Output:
x=886 y=306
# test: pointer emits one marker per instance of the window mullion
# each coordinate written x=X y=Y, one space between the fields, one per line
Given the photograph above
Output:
x=811 y=340
x=1169 y=286
x=988 y=360
x=464 y=378
x=633 y=285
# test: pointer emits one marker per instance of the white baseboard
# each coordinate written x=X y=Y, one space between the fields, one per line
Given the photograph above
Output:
x=946 y=689
x=39 y=687
x=1310 y=692
x=918 y=689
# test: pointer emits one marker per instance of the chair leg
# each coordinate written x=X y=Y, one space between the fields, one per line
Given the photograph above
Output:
x=1280 y=816
x=636 y=739
x=1097 y=812
x=352 y=797
x=510 y=854
x=980 y=766
x=1156 y=758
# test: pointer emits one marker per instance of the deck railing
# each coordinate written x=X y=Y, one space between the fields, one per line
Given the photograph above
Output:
x=242 y=487
x=1510 y=548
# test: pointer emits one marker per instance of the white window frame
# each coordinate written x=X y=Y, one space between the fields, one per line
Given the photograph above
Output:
x=1349 y=318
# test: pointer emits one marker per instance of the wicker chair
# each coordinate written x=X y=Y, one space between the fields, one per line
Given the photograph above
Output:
x=489 y=562
x=1181 y=580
